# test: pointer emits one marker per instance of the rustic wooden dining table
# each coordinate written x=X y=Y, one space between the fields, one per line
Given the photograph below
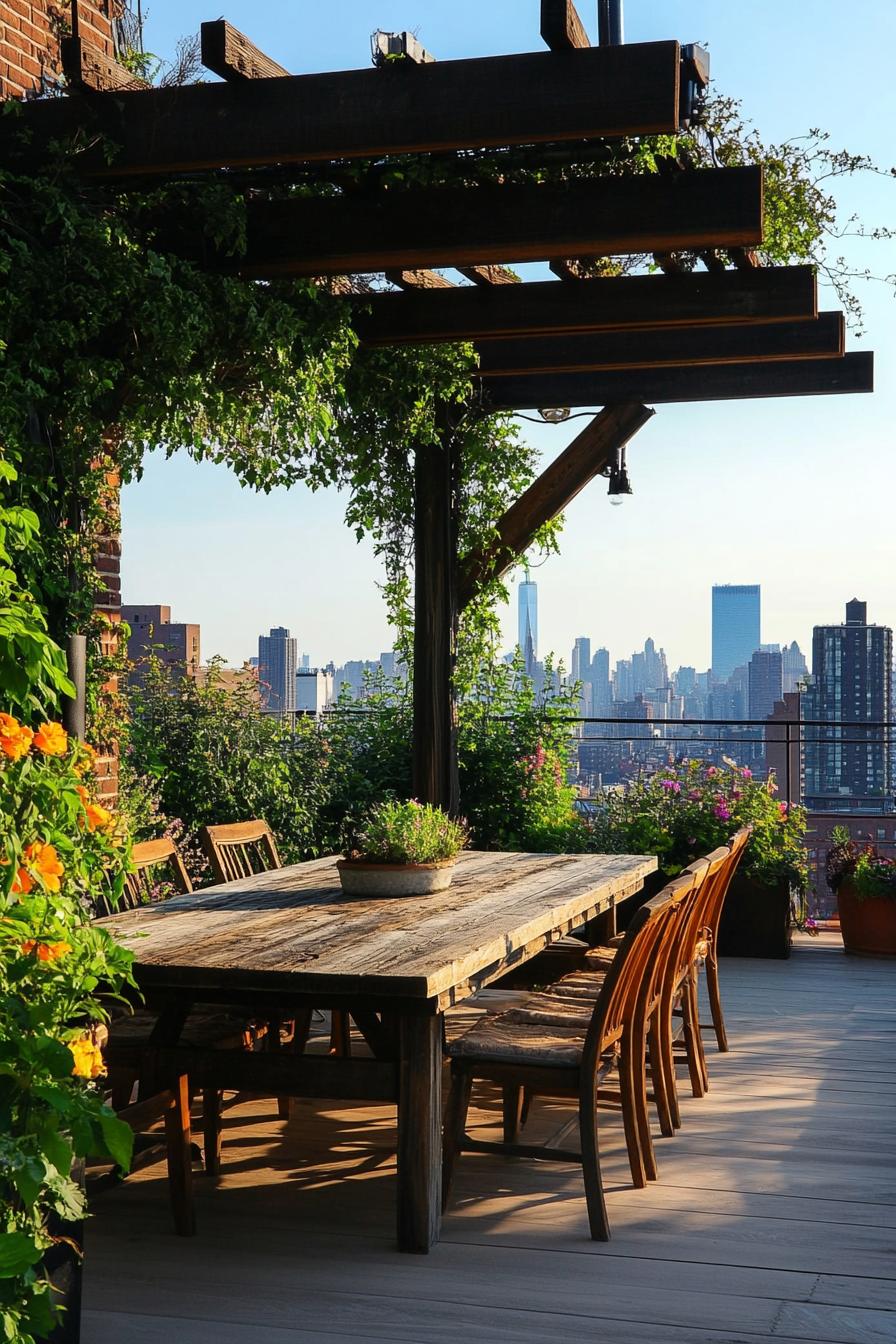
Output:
x=289 y=939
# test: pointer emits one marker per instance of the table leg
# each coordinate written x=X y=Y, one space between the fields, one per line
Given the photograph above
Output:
x=420 y=1133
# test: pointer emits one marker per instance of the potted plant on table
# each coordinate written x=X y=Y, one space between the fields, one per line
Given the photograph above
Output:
x=689 y=809
x=402 y=849
x=865 y=883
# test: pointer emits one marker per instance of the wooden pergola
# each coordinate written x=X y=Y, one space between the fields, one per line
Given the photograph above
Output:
x=729 y=331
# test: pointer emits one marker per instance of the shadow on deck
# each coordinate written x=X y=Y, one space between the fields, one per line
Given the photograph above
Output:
x=774 y=1216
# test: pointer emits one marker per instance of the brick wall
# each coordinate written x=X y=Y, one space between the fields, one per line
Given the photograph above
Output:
x=29 y=40
x=29 y=64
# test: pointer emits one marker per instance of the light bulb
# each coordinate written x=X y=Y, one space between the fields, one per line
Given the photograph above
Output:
x=616 y=500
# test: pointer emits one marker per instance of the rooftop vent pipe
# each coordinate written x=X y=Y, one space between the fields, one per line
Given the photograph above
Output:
x=609 y=23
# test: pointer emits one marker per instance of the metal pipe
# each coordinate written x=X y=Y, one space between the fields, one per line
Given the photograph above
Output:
x=74 y=711
x=609 y=23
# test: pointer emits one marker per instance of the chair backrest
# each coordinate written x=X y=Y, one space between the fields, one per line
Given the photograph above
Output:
x=159 y=872
x=633 y=980
x=240 y=849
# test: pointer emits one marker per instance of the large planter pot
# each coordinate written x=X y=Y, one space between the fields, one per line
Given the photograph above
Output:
x=394 y=879
x=867 y=924
x=756 y=919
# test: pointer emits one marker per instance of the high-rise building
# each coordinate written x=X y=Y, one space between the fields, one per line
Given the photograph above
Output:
x=735 y=627
x=793 y=667
x=623 y=682
x=528 y=623
x=580 y=671
x=154 y=634
x=601 y=688
x=314 y=690
x=277 y=654
x=765 y=682
x=849 y=767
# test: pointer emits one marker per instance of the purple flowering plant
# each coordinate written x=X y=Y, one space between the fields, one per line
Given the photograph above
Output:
x=690 y=808
x=869 y=873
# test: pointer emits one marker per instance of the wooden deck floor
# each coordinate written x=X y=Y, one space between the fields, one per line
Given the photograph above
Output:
x=774 y=1216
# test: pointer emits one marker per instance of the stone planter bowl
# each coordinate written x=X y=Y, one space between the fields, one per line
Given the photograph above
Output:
x=394 y=879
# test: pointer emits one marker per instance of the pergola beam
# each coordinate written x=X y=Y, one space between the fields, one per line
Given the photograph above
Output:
x=90 y=70
x=722 y=382
x=494 y=224
x=586 y=457
x=230 y=54
x=611 y=303
x=561 y=27
x=402 y=108
x=817 y=338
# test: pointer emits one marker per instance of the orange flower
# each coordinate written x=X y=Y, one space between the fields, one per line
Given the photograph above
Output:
x=44 y=861
x=51 y=739
x=22 y=883
x=46 y=951
x=15 y=738
x=98 y=817
x=88 y=1058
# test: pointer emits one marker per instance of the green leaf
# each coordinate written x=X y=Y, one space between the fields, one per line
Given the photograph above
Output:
x=18 y=1252
x=118 y=1138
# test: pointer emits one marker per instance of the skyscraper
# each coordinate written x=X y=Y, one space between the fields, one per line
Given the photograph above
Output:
x=277 y=654
x=794 y=666
x=528 y=623
x=766 y=682
x=735 y=627
x=849 y=767
x=601 y=688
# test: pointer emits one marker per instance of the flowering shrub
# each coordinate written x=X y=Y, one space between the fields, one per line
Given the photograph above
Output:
x=409 y=832
x=60 y=852
x=690 y=809
x=868 y=873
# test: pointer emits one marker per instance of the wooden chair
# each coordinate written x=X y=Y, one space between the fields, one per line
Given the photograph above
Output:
x=519 y=1051
x=709 y=948
x=159 y=872
x=241 y=849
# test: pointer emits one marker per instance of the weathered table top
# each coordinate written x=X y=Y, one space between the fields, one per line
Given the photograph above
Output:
x=293 y=930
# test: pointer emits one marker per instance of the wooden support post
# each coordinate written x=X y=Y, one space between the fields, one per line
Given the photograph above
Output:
x=585 y=457
x=435 y=623
x=420 y=1134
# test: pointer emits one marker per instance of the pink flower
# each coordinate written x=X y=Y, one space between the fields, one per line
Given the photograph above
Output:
x=747 y=772
x=671 y=785
x=711 y=772
x=783 y=809
x=721 y=811
x=695 y=795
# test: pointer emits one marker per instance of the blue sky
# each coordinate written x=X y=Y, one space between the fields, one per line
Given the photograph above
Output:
x=795 y=494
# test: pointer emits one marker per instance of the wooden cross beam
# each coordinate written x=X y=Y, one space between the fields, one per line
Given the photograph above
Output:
x=529 y=222
x=89 y=70
x=402 y=108
x=586 y=457
x=720 y=382
x=654 y=348
x=612 y=303
x=561 y=27
x=229 y=54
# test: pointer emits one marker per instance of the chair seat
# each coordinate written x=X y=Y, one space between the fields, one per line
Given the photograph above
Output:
x=549 y=1011
x=600 y=958
x=498 y=1040
x=205 y=1028
x=581 y=986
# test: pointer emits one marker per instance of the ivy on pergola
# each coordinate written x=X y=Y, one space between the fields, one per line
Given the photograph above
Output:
x=466 y=164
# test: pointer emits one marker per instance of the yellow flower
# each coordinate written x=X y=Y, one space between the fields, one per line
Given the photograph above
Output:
x=46 y=951
x=88 y=1058
x=44 y=861
x=15 y=738
x=87 y=760
x=51 y=739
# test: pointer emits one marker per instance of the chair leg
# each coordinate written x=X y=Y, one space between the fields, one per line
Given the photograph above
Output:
x=667 y=1052
x=526 y=1106
x=638 y=1057
x=658 y=1079
x=302 y=1031
x=715 y=1000
x=211 y=1130
x=455 y=1127
x=598 y=1220
x=273 y=1043
x=180 y=1168
x=630 y=1122
x=340 y=1034
x=692 y=1042
x=512 y=1113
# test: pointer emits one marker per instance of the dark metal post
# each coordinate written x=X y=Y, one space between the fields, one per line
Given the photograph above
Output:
x=609 y=23
x=74 y=711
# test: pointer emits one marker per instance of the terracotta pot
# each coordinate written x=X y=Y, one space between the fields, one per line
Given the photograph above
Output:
x=394 y=879
x=868 y=925
x=756 y=920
